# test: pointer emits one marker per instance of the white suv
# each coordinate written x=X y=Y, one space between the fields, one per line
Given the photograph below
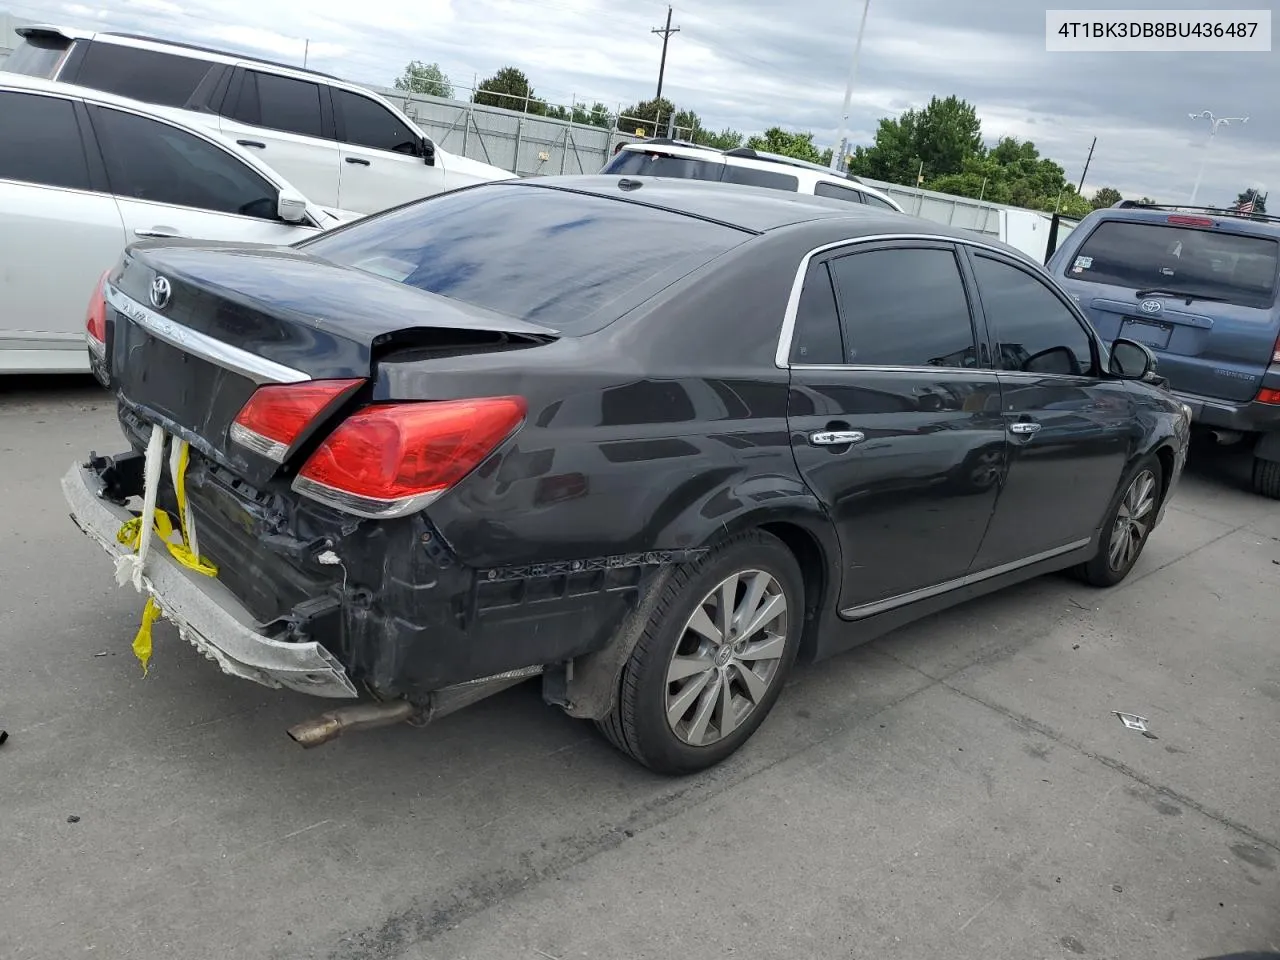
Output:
x=678 y=158
x=338 y=143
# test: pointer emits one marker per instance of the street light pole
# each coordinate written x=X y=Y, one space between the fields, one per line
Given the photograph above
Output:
x=1214 y=123
x=838 y=153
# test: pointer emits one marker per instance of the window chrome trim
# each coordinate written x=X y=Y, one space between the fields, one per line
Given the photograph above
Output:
x=782 y=356
x=258 y=369
x=866 y=610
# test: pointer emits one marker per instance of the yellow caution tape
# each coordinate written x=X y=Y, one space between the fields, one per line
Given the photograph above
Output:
x=130 y=535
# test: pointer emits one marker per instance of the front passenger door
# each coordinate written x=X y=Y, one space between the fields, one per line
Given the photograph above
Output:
x=382 y=161
x=895 y=418
x=1071 y=431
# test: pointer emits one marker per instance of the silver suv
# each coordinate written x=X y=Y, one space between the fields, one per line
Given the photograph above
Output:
x=689 y=161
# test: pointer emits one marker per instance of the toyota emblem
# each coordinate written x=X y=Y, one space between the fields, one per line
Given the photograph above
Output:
x=161 y=291
x=1151 y=306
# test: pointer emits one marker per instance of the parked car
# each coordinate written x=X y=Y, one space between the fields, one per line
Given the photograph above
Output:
x=652 y=440
x=82 y=175
x=1198 y=287
x=680 y=159
x=339 y=143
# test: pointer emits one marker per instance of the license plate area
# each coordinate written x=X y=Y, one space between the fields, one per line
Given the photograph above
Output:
x=1153 y=335
x=187 y=390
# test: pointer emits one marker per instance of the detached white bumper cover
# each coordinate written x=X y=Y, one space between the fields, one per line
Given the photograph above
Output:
x=206 y=614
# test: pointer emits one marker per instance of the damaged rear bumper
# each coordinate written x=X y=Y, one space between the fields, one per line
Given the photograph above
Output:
x=206 y=614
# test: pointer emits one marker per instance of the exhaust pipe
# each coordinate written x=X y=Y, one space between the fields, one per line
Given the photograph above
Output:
x=369 y=716
x=1226 y=437
x=364 y=716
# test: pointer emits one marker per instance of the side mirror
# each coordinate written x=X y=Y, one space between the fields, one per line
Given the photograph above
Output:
x=1131 y=360
x=291 y=207
x=428 y=152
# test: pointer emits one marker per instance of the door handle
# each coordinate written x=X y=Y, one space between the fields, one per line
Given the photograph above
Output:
x=252 y=143
x=1024 y=428
x=157 y=232
x=836 y=438
x=359 y=160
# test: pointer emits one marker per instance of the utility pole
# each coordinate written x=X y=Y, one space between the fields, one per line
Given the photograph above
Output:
x=666 y=33
x=1087 y=161
x=305 y=52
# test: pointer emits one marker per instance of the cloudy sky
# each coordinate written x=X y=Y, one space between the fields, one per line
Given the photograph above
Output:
x=749 y=64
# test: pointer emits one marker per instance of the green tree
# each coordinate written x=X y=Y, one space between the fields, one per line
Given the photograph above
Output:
x=652 y=116
x=1014 y=173
x=787 y=143
x=942 y=135
x=597 y=115
x=726 y=139
x=1105 y=197
x=509 y=88
x=1259 y=201
x=428 y=78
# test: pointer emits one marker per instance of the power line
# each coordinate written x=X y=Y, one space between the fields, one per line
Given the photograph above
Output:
x=666 y=33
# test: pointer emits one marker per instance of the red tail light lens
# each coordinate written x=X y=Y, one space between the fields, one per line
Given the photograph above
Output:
x=394 y=459
x=95 y=318
x=276 y=417
x=1190 y=221
x=1267 y=395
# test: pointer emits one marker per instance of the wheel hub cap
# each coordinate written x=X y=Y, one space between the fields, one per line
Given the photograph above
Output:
x=1133 y=521
x=726 y=658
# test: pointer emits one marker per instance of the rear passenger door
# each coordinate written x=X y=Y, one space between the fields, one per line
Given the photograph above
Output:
x=1071 y=431
x=288 y=123
x=59 y=228
x=894 y=417
x=382 y=161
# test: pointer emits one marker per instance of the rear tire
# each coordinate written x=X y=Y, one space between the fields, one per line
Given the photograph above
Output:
x=686 y=701
x=1128 y=525
x=1266 y=478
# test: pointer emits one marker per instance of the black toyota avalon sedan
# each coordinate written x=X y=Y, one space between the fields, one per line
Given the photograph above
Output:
x=651 y=441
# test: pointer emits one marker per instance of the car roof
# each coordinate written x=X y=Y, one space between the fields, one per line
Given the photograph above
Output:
x=757 y=209
x=71 y=33
x=18 y=81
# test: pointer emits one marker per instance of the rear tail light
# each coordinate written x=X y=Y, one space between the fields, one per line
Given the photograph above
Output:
x=1275 y=352
x=95 y=318
x=1268 y=395
x=390 y=460
x=276 y=418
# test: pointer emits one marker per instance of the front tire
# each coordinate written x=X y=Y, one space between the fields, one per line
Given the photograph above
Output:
x=712 y=659
x=1266 y=478
x=1128 y=525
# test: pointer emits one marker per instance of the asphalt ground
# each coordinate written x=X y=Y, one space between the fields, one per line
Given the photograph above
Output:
x=961 y=788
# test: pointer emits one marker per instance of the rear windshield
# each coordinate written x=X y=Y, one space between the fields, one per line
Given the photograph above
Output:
x=38 y=56
x=1203 y=263
x=644 y=163
x=570 y=261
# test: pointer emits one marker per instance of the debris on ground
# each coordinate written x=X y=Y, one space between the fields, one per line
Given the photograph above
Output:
x=1132 y=721
x=4 y=735
x=73 y=819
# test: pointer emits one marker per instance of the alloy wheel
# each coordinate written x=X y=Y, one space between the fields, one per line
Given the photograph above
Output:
x=727 y=657
x=1133 y=521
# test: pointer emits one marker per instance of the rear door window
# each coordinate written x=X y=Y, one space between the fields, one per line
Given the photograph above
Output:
x=755 y=177
x=164 y=79
x=280 y=103
x=1207 y=263
x=573 y=262
x=824 y=189
x=904 y=307
x=43 y=142
x=817 y=338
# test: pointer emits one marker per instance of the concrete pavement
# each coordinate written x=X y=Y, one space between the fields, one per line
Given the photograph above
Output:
x=959 y=788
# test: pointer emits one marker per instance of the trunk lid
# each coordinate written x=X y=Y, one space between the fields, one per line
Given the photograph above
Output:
x=196 y=327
